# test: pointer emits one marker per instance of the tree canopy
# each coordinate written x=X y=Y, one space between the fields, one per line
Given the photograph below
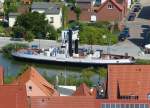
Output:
x=37 y=24
x=77 y=10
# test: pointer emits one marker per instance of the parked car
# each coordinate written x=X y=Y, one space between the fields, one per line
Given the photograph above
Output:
x=135 y=9
x=132 y=16
x=137 y=6
x=124 y=34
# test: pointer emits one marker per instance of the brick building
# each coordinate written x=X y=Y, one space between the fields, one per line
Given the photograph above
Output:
x=110 y=10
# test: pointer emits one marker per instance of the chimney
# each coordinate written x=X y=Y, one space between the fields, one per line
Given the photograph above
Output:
x=1 y=75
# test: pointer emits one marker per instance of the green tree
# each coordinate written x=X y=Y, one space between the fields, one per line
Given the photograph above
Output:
x=51 y=33
x=18 y=32
x=34 y=22
x=102 y=72
x=77 y=10
x=29 y=36
x=87 y=73
x=64 y=16
x=71 y=1
x=10 y=6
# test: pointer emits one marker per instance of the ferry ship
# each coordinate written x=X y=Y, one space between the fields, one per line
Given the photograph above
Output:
x=69 y=53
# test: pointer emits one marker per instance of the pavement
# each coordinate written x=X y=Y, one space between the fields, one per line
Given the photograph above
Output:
x=132 y=46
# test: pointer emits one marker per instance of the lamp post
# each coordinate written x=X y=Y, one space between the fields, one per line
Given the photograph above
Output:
x=39 y=36
x=108 y=41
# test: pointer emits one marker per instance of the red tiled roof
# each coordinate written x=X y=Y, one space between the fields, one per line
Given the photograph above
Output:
x=119 y=6
x=13 y=96
x=82 y=90
x=32 y=74
x=130 y=80
x=63 y=102
x=1 y=75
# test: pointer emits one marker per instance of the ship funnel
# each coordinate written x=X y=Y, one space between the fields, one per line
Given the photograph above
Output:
x=76 y=46
x=70 y=43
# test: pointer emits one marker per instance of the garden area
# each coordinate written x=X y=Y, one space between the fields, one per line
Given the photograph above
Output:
x=96 y=33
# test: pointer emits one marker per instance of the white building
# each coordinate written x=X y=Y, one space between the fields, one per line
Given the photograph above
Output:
x=52 y=11
x=2 y=1
x=12 y=19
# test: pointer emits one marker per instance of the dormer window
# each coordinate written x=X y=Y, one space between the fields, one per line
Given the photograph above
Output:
x=30 y=88
x=110 y=7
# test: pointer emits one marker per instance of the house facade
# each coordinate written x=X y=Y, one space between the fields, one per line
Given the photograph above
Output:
x=52 y=12
x=107 y=10
x=12 y=18
x=35 y=84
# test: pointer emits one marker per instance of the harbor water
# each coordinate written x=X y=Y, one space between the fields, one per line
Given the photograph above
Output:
x=13 y=67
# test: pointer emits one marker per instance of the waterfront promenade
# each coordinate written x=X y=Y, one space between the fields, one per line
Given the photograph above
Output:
x=119 y=48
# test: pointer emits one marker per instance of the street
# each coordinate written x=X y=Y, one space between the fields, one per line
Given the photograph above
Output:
x=132 y=46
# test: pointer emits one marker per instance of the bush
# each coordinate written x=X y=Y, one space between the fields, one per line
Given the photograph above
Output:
x=93 y=35
x=7 y=49
x=9 y=79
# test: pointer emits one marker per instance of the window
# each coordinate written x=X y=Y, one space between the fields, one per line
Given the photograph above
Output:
x=136 y=105
x=131 y=105
x=112 y=105
x=148 y=96
x=93 y=18
x=110 y=6
x=107 y=105
x=51 y=20
x=125 y=105
x=117 y=105
x=103 y=105
x=146 y=106
x=142 y=105
x=30 y=88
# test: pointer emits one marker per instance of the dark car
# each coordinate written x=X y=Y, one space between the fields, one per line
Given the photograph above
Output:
x=138 y=5
x=124 y=34
x=131 y=16
x=136 y=9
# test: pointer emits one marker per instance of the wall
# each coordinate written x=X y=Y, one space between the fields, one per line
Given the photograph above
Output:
x=12 y=20
x=105 y=14
x=36 y=91
x=57 y=23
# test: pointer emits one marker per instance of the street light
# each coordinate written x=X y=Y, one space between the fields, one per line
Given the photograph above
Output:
x=108 y=41
x=39 y=36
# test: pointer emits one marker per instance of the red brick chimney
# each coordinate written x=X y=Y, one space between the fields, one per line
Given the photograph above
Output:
x=1 y=75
